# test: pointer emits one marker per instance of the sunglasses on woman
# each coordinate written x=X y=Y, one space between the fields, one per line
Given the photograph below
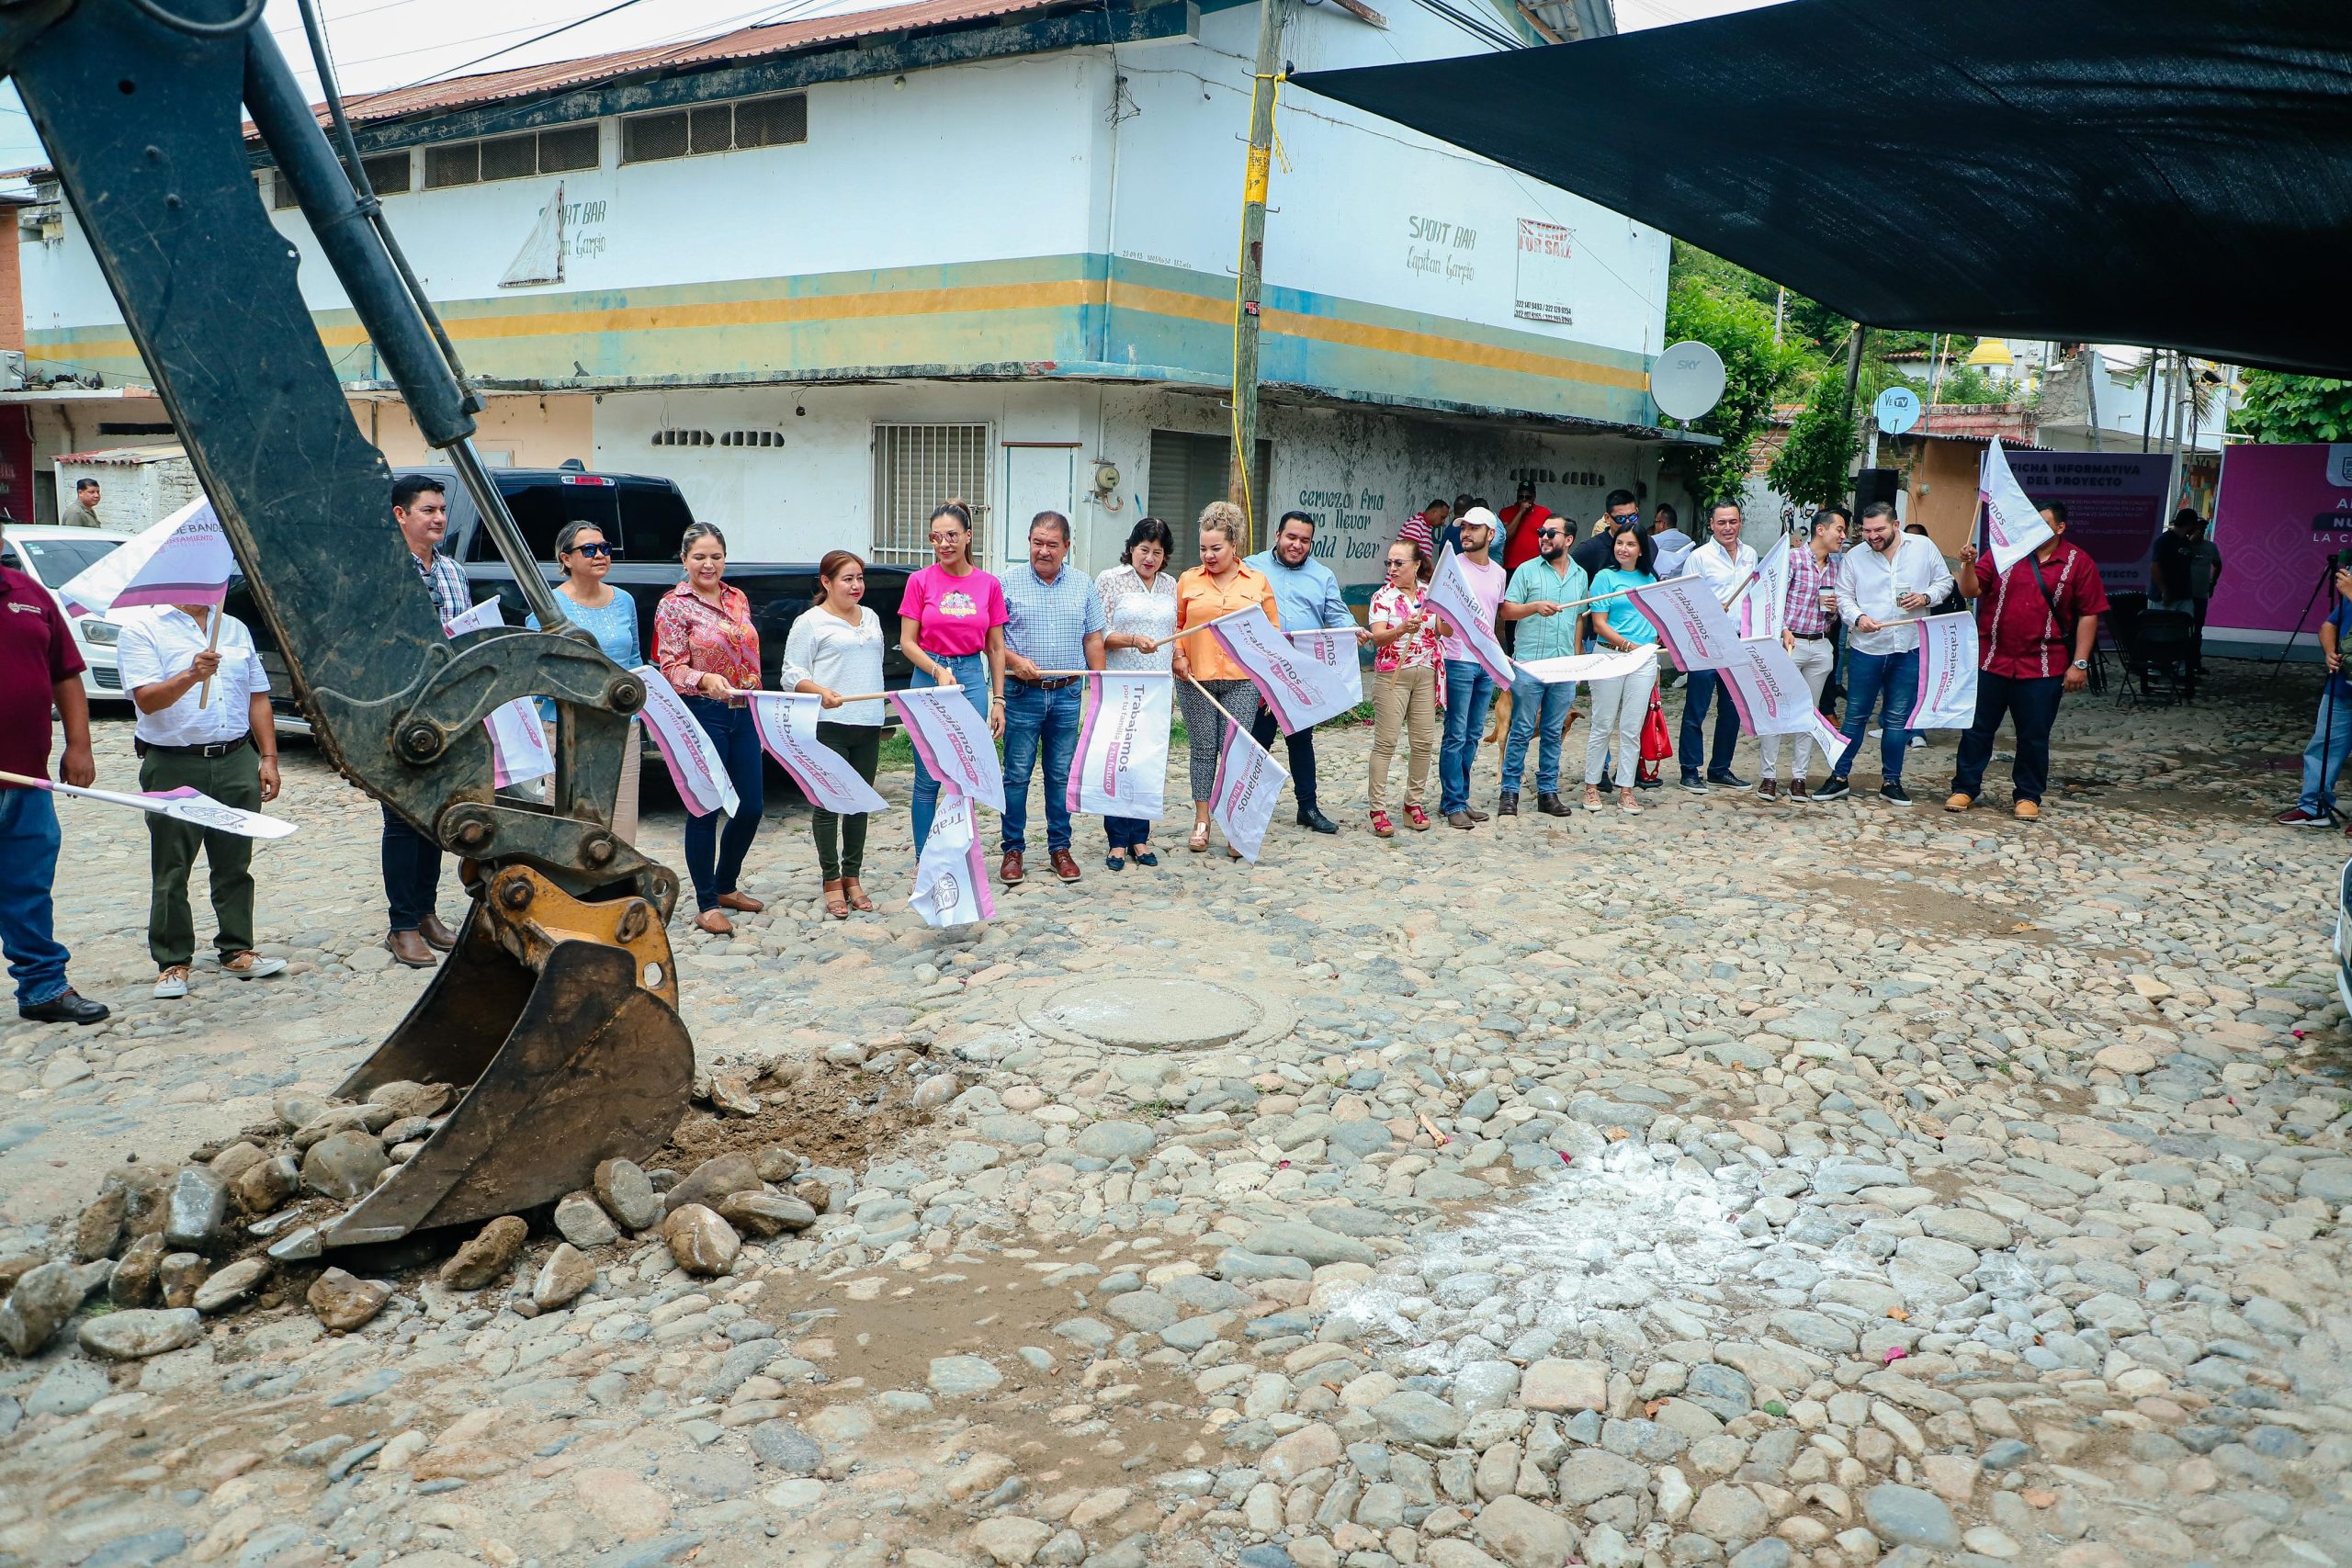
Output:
x=599 y=548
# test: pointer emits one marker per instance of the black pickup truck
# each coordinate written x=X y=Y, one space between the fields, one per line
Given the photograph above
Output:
x=645 y=516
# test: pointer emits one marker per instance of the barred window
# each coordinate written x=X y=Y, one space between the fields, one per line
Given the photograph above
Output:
x=780 y=119
x=916 y=466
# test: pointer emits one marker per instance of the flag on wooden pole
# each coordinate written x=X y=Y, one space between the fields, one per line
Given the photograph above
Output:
x=953 y=740
x=184 y=559
x=518 y=742
x=1121 y=767
x=1768 y=689
x=685 y=747
x=1302 y=689
x=1451 y=591
x=2013 y=528
x=1764 y=609
x=951 y=876
x=183 y=805
x=1947 y=696
x=1691 y=623
x=787 y=722
x=1242 y=800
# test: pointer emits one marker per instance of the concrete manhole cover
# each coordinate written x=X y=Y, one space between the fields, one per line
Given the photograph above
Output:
x=1155 y=1015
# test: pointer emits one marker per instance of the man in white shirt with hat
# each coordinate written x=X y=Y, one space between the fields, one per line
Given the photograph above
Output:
x=226 y=747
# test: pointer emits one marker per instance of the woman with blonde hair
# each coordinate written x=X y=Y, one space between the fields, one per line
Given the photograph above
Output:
x=1208 y=677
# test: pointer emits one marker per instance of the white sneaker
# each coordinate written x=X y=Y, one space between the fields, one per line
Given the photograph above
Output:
x=171 y=984
x=252 y=965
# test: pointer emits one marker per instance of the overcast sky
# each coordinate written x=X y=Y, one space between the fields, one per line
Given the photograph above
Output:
x=383 y=43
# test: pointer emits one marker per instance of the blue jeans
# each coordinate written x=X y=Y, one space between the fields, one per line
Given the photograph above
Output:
x=1700 y=688
x=1539 y=712
x=28 y=840
x=971 y=672
x=1468 y=691
x=715 y=858
x=411 y=873
x=2322 y=759
x=1035 y=719
x=1875 y=680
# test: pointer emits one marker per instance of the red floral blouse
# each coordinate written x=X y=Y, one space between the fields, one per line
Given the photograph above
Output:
x=692 y=638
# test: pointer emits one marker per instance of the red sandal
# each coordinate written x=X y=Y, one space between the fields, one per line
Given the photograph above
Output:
x=1418 y=818
x=1382 y=828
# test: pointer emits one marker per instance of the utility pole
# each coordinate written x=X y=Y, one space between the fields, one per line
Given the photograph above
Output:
x=2094 y=368
x=1262 y=87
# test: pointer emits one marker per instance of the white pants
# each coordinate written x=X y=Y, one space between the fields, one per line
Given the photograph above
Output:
x=1619 y=706
x=1812 y=661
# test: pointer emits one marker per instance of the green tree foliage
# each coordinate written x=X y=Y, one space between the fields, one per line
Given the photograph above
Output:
x=2281 y=408
x=1813 y=468
x=1965 y=385
x=1757 y=371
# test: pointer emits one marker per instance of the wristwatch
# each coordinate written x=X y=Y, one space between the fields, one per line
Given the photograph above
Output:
x=2082 y=663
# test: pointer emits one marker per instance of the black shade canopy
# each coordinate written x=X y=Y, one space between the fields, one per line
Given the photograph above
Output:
x=2175 y=173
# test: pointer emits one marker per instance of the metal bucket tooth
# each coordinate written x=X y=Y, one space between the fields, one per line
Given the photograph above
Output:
x=560 y=1018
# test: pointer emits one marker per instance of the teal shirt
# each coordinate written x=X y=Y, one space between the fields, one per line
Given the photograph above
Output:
x=1623 y=619
x=1535 y=583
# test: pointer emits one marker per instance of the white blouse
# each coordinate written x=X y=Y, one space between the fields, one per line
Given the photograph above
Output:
x=823 y=647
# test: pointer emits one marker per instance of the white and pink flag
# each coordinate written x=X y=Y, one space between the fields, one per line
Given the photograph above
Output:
x=1120 y=769
x=184 y=559
x=951 y=876
x=1300 y=689
x=184 y=803
x=685 y=747
x=1764 y=608
x=1947 y=698
x=1247 y=784
x=953 y=740
x=1829 y=738
x=1570 y=668
x=518 y=741
x=1451 y=596
x=1768 y=689
x=2013 y=528
x=1691 y=623
x=786 y=722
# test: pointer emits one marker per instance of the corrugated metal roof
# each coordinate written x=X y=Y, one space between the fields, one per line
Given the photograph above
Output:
x=744 y=43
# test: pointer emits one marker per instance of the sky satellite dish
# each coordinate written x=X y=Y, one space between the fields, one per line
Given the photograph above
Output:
x=1897 y=409
x=1687 y=380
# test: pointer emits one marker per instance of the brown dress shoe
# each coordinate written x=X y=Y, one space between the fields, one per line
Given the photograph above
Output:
x=1510 y=806
x=742 y=903
x=1009 y=869
x=1461 y=819
x=1797 y=789
x=716 y=922
x=409 y=948
x=1065 y=865
x=1769 y=789
x=1476 y=816
x=435 y=934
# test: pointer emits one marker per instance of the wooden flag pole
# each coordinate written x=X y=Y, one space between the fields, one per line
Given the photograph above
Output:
x=848 y=698
x=204 y=697
x=1081 y=674
x=1218 y=705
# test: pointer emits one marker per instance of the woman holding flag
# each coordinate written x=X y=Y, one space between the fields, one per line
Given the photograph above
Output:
x=586 y=558
x=1619 y=702
x=1139 y=609
x=1215 y=686
x=706 y=645
x=836 y=646
x=951 y=628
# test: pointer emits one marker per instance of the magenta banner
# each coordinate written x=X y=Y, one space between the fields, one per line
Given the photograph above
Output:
x=2281 y=512
x=2115 y=505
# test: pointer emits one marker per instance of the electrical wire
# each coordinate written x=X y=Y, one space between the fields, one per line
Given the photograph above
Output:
x=495 y=53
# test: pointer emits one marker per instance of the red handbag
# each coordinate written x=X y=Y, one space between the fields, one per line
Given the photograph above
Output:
x=1658 y=745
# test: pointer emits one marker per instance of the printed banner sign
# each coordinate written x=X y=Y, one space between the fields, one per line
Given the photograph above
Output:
x=2281 y=513
x=951 y=878
x=518 y=741
x=685 y=747
x=786 y=722
x=2115 y=506
x=1829 y=738
x=1247 y=784
x=953 y=740
x=1946 y=698
x=1451 y=594
x=1570 y=668
x=1120 y=769
x=1300 y=691
x=184 y=559
x=1768 y=689
x=2013 y=529
x=1333 y=651
x=1764 y=608
x=1691 y=623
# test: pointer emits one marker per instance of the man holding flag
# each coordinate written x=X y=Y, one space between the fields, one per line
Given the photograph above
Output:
x=38 y=666
x=1726 y=564
x=203 y=724
x=1469 y=684
x=1541 y=710
x=2036 y=624
x=1310 y=599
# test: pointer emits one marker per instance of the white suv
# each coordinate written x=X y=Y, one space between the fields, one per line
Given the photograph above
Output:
x=54 y=557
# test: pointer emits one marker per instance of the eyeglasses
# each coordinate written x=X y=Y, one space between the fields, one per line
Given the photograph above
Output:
x=598 y=548
x=1551 y=533
x=946 y=539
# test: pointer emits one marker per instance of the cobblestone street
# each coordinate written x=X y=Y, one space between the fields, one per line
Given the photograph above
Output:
x=1740 y=1182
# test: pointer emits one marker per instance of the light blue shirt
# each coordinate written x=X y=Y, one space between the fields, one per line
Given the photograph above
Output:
x=1048 y=623
x=613 y=624
x=1308 y=595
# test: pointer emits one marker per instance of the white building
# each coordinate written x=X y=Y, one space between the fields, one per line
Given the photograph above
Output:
x=828 y=273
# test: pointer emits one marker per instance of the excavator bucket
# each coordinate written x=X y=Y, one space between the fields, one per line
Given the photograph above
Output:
x=558 y=1020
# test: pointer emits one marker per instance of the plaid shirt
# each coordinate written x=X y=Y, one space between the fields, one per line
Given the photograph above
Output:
x=1807 y=577
x=1048 y=623
x=445 y=581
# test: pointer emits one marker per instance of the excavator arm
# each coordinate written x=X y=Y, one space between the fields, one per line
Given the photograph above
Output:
x=557 y=1016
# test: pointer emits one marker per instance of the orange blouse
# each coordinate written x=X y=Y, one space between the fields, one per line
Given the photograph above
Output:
x=1200 y=599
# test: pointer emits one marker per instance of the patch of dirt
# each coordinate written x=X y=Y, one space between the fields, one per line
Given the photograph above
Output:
x=827 y=1116
x=1924 y=910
